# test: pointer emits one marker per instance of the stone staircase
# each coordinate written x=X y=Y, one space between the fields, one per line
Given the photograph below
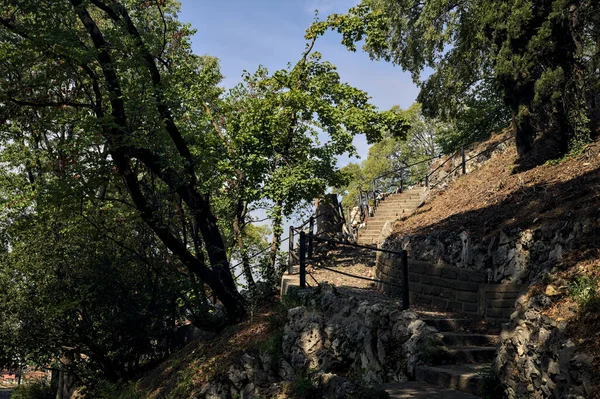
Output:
x=460 y=363
x=455 y=369
x=393 y=207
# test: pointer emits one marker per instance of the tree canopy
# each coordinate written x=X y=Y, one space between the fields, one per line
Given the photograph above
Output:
x=537 y=57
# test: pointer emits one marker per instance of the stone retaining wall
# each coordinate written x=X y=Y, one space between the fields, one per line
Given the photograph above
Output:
x=450 y=288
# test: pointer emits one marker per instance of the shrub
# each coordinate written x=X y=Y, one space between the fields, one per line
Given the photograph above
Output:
x=490 y=386
x=584 y=291
x=302 y=387
x=34 y=390
x=363 y=392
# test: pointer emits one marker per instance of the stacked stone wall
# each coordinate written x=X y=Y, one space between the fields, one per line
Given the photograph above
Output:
x=449 y=288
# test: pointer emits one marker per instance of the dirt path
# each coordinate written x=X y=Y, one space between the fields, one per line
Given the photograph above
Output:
x=337 y=266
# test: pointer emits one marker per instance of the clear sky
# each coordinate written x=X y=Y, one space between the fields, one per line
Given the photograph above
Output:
x=244 y=34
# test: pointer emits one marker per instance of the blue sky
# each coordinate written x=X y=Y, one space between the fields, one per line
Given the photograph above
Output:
x=245 y=34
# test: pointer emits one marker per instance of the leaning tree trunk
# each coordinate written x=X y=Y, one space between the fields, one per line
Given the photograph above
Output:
x=237 y=230
x=275 y=244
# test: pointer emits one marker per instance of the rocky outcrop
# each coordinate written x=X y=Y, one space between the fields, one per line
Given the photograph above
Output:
x=339 y=343
x=515 y=256
x=375 y=341
x=538 y=360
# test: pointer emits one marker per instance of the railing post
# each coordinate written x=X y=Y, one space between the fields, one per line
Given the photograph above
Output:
x=405 y=292
x=291 y=250
x=302 y=259
x=464 y=160
x=374 y=198
x=426 y=181
x=311 y=226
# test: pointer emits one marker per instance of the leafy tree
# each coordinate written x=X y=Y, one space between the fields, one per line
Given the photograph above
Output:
x=77 y=280
x=119 y=81
x=390 y=159
x=532 y=54
x=282 y=132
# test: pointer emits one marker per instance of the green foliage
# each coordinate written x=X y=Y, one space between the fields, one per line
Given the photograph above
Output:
x=584 y=290
x=109 y=390
x=34 y=390
x=530 y=56
x=303 y=387
x=273 y=347
x=490 y=386
x=392 y=155
x=363 y=392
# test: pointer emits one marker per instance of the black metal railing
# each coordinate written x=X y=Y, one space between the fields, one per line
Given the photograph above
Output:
x=306 y=254
x=463 y=164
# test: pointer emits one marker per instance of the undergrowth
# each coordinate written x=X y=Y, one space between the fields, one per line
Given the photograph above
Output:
x=584 y=289
x=490 y=386
x=34 y=390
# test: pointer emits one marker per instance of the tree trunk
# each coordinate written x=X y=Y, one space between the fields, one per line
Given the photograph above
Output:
x=275 y=244
x=524 y=130
x=116 y=132
x=237 y=230
x=66 y=378
x=329 y=219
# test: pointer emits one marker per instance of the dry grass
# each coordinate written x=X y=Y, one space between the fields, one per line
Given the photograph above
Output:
x=495 y=197
x=209 y=359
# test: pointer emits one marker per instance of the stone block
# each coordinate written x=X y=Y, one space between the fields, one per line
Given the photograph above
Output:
x=413 y=277
x=415 y=287
x=395 y=274
x=501 y=303
x=432 y=290
x=448 y=293
x=416 y=268
x=434 y=271
x=439 y=303
x=424 y=300
x=455 y=305
x=478 y=277
x=465 y=286
x=470 y=307
x=464 y=296
x=395 y=291
x=464 y=275
x=449 y=273
x=441 y=282
x=495 y=313
x=425 y=279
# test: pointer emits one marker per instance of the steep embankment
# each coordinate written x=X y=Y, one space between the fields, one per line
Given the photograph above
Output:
x=532 y=225
x=497 y=197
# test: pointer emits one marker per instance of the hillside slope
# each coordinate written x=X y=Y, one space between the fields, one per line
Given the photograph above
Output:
x=553 y=333
x=494 y=197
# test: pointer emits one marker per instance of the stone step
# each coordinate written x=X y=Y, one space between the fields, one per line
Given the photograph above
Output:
x=398 y=209
x=465 y=339
x=465 y=377
x=448 y=324
x=422 y=390
x=464 y=354
x=398 y=204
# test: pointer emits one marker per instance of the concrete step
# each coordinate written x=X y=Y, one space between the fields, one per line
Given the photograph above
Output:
x=465 y=377
x=422 y=390
x=465 y=339
x=464 y=355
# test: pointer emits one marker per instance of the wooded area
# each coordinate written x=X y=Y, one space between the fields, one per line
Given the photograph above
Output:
x=130 y=177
